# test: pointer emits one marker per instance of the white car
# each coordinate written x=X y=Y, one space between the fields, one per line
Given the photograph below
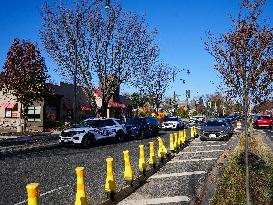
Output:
x=173 y=123
x=91 y=130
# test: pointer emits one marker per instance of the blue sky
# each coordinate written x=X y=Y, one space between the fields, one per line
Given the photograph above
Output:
x=182 y=25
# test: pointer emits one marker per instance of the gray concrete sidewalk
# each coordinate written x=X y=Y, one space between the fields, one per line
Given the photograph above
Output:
x=182 y=179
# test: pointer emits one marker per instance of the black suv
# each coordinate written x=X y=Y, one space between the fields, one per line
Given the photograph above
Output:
x=141 y=127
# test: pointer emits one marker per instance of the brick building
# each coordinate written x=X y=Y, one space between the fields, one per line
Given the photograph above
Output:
x=56 y=109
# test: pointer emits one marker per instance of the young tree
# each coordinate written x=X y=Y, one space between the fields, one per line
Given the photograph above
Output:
x=24 y=74
x=155 y=82
x=244 y=60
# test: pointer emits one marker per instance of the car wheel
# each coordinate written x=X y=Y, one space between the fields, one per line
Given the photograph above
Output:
x=120 y=136
x=156 y=132
x=87 y=141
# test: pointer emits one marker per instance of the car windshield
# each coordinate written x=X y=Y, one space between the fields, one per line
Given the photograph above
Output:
x=170 y=119
x=263 y=117
x=215 y=123
x=88 y=123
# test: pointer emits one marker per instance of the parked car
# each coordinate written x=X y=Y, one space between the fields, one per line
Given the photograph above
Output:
x=142 y=127
x=90 y=131
x=172 y=123
x=234 y=117
x=262 y=121
x=216 y=129
x=197 y=119
x=229 y=122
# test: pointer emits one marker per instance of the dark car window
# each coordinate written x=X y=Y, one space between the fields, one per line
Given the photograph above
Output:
x=215 y=123
x=135 y=121
x=263 y=117
x=170 y=119
x=101 y=123
x=109 y=122
x=88 y=123
x=152 y=121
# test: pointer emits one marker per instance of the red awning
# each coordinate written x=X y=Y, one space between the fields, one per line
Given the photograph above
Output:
x=8 y=105
x=68 y=106
x=116 y=104
x=85 y=108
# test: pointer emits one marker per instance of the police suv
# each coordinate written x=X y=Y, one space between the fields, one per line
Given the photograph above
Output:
x=172 y=123
x=91 y=130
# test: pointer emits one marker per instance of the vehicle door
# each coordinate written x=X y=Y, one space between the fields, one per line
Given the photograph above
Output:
x=108 y=128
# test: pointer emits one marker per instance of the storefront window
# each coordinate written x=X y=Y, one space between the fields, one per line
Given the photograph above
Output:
x=34 y=113
x=11 y=112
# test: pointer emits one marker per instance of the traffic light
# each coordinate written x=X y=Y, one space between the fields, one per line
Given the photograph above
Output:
x=188 y=94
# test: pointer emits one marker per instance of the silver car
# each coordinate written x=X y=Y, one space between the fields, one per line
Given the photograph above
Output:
x=216 y=129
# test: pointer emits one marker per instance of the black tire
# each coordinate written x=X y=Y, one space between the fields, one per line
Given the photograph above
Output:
x=120 y=136
x=87 y=141
x=155 y=133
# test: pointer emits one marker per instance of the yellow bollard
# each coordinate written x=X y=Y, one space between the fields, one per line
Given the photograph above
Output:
x=142 y=162
x=185 y=135
x=33 y=194
x=165 y=151
x=195 y=131
x=128 y=173
x=192 y=133
x=175 y=141
x=179 y=138
x=162 y=151
x=182 y=137
x=152 y=159
x=171 y=143
x=110 y=185
x=80 y=193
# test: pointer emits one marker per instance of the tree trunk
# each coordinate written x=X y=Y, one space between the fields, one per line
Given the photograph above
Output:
x=104 y=107
x=246 y=106
x=23 y=111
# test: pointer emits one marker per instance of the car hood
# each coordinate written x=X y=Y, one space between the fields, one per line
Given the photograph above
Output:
x=213 y=128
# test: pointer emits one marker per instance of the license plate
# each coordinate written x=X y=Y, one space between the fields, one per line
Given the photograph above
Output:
x=212 y=135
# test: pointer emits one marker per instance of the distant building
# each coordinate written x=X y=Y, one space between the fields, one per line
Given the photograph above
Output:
x=57 y=109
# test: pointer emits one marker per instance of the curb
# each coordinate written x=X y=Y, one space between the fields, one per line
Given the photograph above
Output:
x=215 y=174
x=27 y=139
x=10 y=151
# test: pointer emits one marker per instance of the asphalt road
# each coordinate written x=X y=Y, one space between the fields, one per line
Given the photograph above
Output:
x=55 y=171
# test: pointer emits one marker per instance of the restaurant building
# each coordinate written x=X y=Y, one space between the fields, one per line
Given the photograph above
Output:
x=57 y=109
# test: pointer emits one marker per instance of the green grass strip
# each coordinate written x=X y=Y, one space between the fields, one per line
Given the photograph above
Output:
x=231 y=189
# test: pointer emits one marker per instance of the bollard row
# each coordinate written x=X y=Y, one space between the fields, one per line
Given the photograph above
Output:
x=176 y=142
